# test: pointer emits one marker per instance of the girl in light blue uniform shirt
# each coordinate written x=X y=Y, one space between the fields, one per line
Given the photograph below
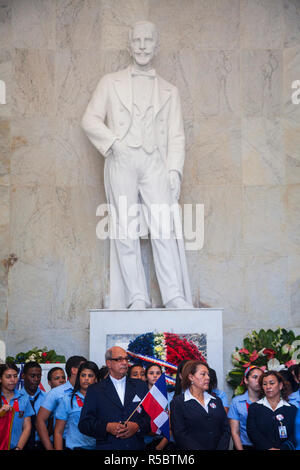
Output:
x=12 y=398
x=238 y=411
x=69 y=410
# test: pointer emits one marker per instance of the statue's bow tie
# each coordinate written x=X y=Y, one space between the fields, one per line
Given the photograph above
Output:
x=143 y=73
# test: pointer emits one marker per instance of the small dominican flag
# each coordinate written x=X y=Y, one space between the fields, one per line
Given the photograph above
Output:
x=155 y=404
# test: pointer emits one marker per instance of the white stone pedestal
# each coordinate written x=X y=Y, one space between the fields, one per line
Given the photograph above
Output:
x=115 y=327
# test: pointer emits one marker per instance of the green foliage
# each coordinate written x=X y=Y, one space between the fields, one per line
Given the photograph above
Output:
x=42 y=356
x=259 y=347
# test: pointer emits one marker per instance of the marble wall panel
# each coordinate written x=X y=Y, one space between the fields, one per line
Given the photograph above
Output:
x=212 y=78
x=291 y=135
x=33 y=152
x=68 y=341
x=5 y=142
x=294 y=287
x=221 y=280
x=33 y=92
x=264 y=220
x=5 y=24
x=263 y=156
x=31 y=293
x=215 y=158
x=31 y=224
x=6 y=77
x=293 y=218
x=261 y=82
x=292 y=22
x=262 y=24
x=33 y=24
x=4 y=253
x=196 y=22
x=223 y=215
x=291 y=73
x=266 y=292
x=78 y=24
x=77 y=162
x=79 y=255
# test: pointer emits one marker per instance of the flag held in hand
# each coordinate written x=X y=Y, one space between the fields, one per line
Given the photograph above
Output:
x=155 y=404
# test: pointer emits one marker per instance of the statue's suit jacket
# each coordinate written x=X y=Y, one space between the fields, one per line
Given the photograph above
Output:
x=102 y=405
x=109 y=113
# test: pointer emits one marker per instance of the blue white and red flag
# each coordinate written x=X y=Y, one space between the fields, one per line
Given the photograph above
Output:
x=155 y=404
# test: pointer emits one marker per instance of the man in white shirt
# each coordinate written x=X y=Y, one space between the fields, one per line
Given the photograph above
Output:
x=110 y=403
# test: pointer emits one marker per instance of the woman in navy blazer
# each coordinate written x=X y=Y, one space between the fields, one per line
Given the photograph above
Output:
x=271 y=420
x=198 y=419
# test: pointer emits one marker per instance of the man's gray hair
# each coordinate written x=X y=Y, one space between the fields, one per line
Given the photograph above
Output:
x=108 y=354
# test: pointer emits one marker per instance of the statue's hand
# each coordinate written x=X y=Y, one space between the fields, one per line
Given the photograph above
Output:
x=175 y=183
x=118 y=149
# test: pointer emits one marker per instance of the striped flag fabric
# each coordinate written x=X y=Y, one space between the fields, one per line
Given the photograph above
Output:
x=155 y=404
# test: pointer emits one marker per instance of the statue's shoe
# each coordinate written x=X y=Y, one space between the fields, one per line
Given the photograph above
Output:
x=178 y=302
x=138 y=305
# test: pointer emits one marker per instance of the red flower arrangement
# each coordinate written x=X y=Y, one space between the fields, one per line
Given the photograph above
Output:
x=179 y=349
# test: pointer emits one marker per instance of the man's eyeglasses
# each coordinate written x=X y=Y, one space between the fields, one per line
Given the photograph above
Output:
x=120 y=359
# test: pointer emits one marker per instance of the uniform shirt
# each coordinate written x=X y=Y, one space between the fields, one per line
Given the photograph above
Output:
x=294 y=398
x=25 y=410
x=239 y=410
x=221 y=395
x=37 y=399
x=52 y=398
x=207 y=397
x=120 y=386
x=71 y=414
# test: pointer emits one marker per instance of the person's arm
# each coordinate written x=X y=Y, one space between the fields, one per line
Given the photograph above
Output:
x=25 y=433
x=224 y=440
x=235 y=433
x=41 y=427
x=58 y=434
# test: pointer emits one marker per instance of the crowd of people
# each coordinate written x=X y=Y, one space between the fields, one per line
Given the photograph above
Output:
x=98 y=408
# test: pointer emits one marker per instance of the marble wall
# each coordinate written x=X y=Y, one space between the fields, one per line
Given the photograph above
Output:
x=234 y=62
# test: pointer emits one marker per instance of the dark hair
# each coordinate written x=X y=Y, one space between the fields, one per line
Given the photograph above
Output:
x=132 y=367
x=3 y=368
x=30 y=365
x=213 y=378
x=190 y=368
x=279 y=379
x=85 y=365
x=288 y=377
x=178 y=386
x=73 y=361
x=149 y=367
x=295 y=369
x=103 y=372
x=51 y=372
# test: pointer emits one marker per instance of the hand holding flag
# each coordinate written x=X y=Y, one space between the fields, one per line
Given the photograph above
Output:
x=155 y=403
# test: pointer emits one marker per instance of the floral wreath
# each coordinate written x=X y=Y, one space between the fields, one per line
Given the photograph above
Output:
x=268 y=350
x=164 y=349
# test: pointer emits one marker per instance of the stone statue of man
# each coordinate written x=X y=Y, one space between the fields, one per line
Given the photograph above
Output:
x=134 y=119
